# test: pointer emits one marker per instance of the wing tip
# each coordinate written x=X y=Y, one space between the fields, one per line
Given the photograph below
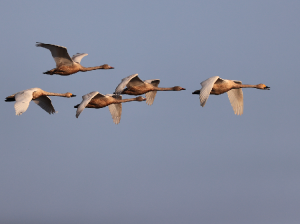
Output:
x=39 y=44
x=117 y=120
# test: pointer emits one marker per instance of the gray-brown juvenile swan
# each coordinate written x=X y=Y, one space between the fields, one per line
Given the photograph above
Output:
x=65 y=65
x=98 y=100
x=37 y=95
x=135 y=86
x=216 y=86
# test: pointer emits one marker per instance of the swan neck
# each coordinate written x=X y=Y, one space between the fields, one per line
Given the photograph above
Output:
x=85 y=69
x=55 y=94
x=247 y=86
x=163 y=88
x=125 y=100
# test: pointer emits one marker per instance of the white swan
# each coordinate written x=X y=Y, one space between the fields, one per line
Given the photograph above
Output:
x=37 y=95
x=65 y=65
x=98 y=100
x=216 y=86
x=135 y=86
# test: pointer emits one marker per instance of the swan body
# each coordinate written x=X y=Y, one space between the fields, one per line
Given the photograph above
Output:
x=98 y=100
x=135 y=86
x=65 y=65
x=37 y=95
x=216 y=86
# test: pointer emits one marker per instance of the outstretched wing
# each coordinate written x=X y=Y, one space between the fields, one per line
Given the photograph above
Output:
x=77 y=57
x=115 y=109
x=132 y=80
x=150 y=96
x=59 y=53
x=23 y=99
x=45 y=103
x=85 y=100
x=236 y=99
x=207 y=86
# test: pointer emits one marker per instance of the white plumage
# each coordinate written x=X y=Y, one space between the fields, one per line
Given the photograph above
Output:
x=39 y=96
x=61 y=55
x=24 y=97
x=114 y=109
x=215 y=85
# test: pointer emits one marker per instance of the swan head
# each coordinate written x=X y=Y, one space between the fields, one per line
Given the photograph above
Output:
x=106 y=66
x=70 y=95
x=178 y=88
x=262 y=86
x=140 y=98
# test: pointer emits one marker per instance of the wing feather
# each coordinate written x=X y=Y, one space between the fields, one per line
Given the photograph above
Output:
x=150 y=96
x=85 y=100
x=154 y=82
x=236 y=99
x=23 y=99
x=207 y=86
x=77 y=57
x=59 y=53
x=128 y=81
x=116 y=109
x=45 y=103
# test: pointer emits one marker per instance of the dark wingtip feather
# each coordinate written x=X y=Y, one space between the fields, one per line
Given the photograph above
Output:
x=196 y=92
x=9 y=99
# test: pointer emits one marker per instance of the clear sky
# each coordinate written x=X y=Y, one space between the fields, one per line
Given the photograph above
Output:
x=173 y=162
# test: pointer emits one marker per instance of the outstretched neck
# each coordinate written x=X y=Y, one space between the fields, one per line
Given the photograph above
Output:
x=163 y=89
x=125 y=100
x=85 y=69
x=56 y=94
x=245 y=86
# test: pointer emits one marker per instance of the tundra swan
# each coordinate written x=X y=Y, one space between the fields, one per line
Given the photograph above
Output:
x=98 y=100
x=39 y=96
x=65 y=65
x=216 y=86
x=135 y=86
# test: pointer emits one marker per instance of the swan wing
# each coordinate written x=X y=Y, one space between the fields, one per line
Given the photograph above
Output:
x=150 y=96
x=85 y=100
x=99 y=96
x=77 y=57
x=154 y=82
x=207 y=86
x=45 y=103
x=115 y=109
x=136 y=81
x=59 y=53
x=132 y=80
x=23 y=99
x=236 y=99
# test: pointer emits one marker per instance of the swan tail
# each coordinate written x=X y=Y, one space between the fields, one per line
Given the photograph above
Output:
x=9 y=99
x=48 y=72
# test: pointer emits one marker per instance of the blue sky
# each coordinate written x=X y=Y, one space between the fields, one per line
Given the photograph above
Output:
x=174 y=161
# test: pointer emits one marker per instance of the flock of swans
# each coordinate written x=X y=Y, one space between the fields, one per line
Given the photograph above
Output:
x=131 y=85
